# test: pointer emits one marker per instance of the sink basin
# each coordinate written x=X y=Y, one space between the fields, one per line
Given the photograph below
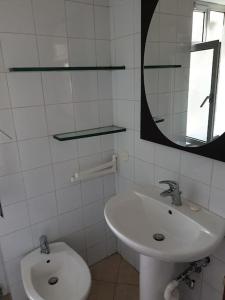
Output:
x=60 y=275
x=138 y=214
x=165 y=235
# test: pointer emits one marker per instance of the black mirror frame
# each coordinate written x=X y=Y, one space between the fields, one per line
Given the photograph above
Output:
x=149 y=129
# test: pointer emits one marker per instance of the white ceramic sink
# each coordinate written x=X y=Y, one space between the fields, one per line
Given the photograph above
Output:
x=135 y=216
x=62 y=263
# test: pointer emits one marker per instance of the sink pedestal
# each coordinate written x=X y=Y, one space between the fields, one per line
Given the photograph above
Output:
x=154 y=277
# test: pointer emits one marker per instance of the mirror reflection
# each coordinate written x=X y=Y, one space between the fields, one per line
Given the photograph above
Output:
x=184 y=70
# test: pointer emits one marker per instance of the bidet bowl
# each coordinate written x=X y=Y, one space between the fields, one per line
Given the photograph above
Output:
x=60 y=275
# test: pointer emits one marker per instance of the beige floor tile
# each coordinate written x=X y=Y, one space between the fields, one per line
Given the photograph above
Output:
x=126 y=292
x=128 y=274
x=107 y=270
x=102 y=291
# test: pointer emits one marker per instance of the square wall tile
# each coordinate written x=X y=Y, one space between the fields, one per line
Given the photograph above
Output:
x=105 y=85
x=214 y=274
x=60 y=118
x=12 y=189
x=16 y=244
x=196 y=167
x=85 y=86
x=38 y=181
x=209 y=293
x=93 y=213
x=30 y=122
x=7 y=126
x=168 y=158
x=216 y=202
x=125 y=51
x=123 y=18
x=106 y=113
x=50 y=17
x=9 y=159
x=168 y=28
x=102 y=19
x=42 y=208
x=89 y=146
x=82 y=52
x=63 y=151
x=68 y=198
x=92 y=191
x=25 y=89
x=144 y=150
x=96 y=253
x=86 y=115
x=109 y=186
x=144 y=172
x=90 y=161
x=76 y=241
x=13 y=270
x=15 y=218
x=17 y=291
x=63 y=172
x=218 y=174
x=57 y=87
x=70 y=222
x=101 y=2
x=195 y=191
x=48 y=228
x=95 y=234
x=53 y=51
x=4 y=92
x=19 y=50
x=34 y=153
x=22 y=22
x=80 y=20
x=103 y=53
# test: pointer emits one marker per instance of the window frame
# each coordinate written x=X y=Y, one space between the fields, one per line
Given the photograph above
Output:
x=206 y=8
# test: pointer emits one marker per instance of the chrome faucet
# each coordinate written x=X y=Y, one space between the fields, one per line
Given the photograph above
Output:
x=44 y=246
x=173 y=192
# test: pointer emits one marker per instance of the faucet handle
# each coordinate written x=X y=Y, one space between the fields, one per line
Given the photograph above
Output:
x=172 y=184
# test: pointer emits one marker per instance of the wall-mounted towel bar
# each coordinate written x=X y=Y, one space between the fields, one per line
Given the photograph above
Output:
x=101 y=170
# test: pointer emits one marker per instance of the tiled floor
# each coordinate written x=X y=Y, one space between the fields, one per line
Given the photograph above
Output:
x=114 y=279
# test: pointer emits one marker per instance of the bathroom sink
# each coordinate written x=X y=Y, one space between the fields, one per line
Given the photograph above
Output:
x=62 y=274
x=152 y=226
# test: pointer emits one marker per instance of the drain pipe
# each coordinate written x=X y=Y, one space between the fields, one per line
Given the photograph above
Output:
x=195 y=267
x=171 y=292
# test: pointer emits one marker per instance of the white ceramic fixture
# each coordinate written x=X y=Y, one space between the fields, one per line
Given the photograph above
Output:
x=60 y=275
x=190 y=233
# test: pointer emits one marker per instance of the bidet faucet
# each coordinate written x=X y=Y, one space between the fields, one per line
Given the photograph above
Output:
x=44 y=246
x=173 y=191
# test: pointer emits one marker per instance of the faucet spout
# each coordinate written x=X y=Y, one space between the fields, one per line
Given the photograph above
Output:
x=173 y=191
x=44 y=245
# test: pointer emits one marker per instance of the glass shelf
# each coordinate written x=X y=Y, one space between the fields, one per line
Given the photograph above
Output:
x=158 y=120
x=162 y=66
x=52 y=69
x=88 y=133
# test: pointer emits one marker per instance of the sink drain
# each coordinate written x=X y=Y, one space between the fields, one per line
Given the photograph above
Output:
x=53 y=280
x=159 y=237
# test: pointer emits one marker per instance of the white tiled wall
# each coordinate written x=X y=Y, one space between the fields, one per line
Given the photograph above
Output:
x=35 y=169
x=201 y=179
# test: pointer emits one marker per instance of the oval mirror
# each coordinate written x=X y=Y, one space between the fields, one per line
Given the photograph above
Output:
x=184 y=70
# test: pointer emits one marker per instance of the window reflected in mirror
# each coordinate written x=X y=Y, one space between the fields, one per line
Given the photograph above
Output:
x=184 y=71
